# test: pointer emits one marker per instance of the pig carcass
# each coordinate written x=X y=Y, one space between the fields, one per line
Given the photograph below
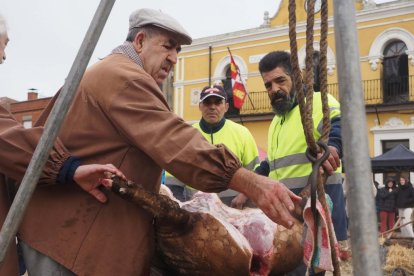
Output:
x=205 y=237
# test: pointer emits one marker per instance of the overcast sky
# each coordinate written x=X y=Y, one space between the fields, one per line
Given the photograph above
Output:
x=45 y=35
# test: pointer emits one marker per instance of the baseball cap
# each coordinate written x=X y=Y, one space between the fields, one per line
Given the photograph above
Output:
x=216 y=90
x=144 y=17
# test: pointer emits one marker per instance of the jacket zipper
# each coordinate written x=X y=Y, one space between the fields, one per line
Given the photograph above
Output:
x=277 y=141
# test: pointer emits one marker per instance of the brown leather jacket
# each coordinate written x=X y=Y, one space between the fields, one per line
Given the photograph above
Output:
x=119 y=116
x=17 y=145
x=16 y=148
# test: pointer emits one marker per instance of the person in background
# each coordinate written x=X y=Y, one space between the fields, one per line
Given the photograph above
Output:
x=61 y=167
x=287 y=144
x=405 y=203
x=119 y=115
x=386 y=205
x=218 y=130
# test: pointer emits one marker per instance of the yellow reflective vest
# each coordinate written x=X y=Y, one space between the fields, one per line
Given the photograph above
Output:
x=238 y=139
x=287 y=145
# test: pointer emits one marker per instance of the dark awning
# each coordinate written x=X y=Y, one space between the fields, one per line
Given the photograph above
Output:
x=399 y=158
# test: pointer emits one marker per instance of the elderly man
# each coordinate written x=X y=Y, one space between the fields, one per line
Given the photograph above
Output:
x=218 y=130
x=61 y=168
x=120 y=116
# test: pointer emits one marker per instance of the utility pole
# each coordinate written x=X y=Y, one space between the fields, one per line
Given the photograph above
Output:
x=361 y=205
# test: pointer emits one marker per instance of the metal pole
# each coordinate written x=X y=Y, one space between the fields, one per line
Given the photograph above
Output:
x=52 y=127
x=210 y=48
x=363 y=222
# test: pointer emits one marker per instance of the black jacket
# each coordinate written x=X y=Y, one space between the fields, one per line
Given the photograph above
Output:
x=405 y=196
x=387 y=199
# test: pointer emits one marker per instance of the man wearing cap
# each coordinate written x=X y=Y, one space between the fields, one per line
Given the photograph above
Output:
x=119 y=115
x=218 y=130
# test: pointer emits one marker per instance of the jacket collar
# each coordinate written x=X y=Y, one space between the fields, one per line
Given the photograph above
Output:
x=128 y=49
x=208 y=128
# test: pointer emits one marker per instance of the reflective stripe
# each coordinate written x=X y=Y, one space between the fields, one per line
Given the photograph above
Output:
x=228 y=193
x=252 y=165
x=294 y=159
x=300 y=182
x=171 y=180
x=287 y=147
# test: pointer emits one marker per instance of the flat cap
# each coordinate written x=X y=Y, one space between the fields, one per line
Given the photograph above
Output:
x=144 y=17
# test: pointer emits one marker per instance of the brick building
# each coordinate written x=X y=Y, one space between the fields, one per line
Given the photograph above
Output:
x=27 y=112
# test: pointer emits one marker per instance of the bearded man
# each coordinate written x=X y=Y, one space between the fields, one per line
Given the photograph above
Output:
x=287 y=160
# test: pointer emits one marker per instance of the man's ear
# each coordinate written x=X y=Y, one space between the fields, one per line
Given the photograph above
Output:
x=139 y=41
x=227 y=107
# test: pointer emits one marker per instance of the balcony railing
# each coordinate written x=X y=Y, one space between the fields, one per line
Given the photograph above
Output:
x=376 y=92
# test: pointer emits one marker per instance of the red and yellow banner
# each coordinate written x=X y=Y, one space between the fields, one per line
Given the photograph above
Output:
x=239 y=91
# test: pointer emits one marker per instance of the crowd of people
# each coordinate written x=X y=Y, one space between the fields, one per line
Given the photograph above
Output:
x=396 y=199
x=71 y=213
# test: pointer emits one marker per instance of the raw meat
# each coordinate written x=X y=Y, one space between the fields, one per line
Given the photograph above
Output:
x=205 y=237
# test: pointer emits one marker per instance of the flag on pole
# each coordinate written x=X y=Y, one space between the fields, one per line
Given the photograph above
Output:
x=239 y=91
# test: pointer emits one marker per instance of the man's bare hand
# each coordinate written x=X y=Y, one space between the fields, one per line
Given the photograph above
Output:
x=271 y=196
x=239 y=201
x=91 y=177
x=277 y=202
x=333 y=161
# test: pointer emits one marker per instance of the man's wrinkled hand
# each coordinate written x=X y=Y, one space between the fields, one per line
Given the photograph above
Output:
x=278 y=203
x=271 y=196
x=91 y=177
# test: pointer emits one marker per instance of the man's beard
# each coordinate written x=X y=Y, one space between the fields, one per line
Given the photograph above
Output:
x=282 y=102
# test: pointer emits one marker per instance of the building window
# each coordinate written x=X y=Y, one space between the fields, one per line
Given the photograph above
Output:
x=27 y=121
x=395 y=72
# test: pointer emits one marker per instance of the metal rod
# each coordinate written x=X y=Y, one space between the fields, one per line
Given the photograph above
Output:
x=363 y=222
x=210 y=48
x=52 y=127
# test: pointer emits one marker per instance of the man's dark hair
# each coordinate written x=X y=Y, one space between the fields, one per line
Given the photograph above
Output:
x=275 y=59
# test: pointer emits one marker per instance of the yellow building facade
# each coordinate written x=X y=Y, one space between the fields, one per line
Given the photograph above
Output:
x=386 y=49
